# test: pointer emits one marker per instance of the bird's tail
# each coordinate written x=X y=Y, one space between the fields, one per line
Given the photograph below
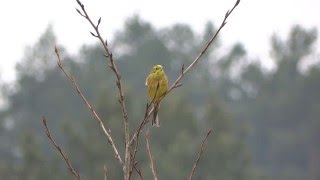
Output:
x=155 y=120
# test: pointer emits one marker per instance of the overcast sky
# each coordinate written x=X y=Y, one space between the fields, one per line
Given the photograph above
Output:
x=253 y=22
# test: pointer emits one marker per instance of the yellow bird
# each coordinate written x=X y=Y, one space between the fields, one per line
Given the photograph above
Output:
x=157 y=83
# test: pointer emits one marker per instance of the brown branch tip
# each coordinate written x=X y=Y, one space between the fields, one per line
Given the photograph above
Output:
x=57 y=146
x=151 y=157
x=90 y=107
x=199 y=154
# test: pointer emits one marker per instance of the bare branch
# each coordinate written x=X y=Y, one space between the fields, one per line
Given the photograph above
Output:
x=63 y=155
x=139 y=172
x=196 y=60
x=134 y=166
x=199 y=155
x=136 y=137
x=143 y=122
x=150 y=157
x=74 y=83
x=114 y=68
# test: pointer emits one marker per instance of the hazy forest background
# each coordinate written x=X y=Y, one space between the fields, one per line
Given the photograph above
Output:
x=265 y=123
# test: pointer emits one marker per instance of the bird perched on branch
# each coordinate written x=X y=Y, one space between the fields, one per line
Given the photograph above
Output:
x=157 y=83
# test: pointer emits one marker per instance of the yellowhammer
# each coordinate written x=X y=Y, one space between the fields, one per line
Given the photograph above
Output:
x=157 y=83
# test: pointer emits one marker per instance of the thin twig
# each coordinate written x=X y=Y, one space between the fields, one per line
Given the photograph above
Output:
x=105 y=172
x=195 y=61
x=112 y=65
x=137 y=170
x=63 y=155
x=145 y=121
x=74 y=83
x=150 y=157
x=199 y=154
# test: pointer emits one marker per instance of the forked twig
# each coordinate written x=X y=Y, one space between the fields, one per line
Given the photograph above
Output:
x=151 y=157
x=199 y=155
x=74 y=83
x=63 y=155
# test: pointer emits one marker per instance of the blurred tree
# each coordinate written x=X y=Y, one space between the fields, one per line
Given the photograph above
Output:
x=283 y=108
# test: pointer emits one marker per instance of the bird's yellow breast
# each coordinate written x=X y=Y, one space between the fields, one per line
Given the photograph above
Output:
x=157 y=83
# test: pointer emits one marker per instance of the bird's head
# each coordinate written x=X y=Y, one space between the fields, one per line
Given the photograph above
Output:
x=157 y=70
